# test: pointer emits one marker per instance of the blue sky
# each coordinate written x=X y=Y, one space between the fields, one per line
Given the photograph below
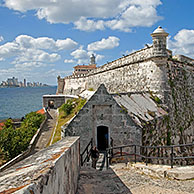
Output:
x=41 y=39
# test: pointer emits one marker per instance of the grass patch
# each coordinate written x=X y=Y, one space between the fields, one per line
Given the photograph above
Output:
x=91 y=89
x=66 y=112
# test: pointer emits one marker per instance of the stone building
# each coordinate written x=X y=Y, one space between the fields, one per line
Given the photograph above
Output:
x=113 y=120
x=85 y=69
x=150 y=71
x=55 y=101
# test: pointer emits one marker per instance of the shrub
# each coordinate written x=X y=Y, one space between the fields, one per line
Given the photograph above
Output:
x=67 y=107
x=14 y=141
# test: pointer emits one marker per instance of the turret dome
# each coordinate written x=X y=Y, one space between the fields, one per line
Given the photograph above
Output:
x=159 y=32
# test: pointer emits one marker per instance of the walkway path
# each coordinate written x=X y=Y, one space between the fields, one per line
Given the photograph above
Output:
x=46 y=131
x=120 y=179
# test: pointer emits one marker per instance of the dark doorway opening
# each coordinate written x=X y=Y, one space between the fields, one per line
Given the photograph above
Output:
x=102 y=138
x=51 y=104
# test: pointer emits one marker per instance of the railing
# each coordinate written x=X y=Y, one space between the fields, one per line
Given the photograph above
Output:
x=85 y=155
x=142 y=152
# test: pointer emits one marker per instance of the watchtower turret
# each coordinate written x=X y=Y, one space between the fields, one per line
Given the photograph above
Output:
x=92 y=60
x=159 y=42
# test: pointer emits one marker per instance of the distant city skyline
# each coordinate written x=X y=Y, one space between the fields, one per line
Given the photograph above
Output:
x=40 y=40
x=13 y=82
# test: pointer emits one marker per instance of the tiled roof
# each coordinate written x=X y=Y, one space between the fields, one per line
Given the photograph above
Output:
x=41 y=111
x=85 y=66
x=1 y=125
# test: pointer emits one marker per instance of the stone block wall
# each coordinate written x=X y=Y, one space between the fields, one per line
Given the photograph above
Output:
x=133 y=77
x=57 y=100
x=178 y=126
x=52 y=170
x=180 y=102
x=102 y=110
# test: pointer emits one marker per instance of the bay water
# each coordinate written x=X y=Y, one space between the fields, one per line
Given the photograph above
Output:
x=17 y=102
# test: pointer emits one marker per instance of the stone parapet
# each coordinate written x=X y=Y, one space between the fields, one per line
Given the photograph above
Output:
x=52 y=170
x=183 y=59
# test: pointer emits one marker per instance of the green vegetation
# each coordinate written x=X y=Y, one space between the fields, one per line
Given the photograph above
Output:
x=124 y=109
x=14 y=141
x=91 y=89
x=66 y=112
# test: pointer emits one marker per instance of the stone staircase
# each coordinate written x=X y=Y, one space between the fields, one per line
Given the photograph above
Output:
x=101 y=163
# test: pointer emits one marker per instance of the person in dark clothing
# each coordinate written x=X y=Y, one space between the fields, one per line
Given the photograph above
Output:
x=94 y=156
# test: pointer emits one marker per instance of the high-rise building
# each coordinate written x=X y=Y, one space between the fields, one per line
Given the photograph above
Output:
x=24 y=82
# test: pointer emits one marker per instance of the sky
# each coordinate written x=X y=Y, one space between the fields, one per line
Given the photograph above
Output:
x=41 y=39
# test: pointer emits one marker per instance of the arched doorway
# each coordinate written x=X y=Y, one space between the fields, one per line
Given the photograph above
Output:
x=102 y=138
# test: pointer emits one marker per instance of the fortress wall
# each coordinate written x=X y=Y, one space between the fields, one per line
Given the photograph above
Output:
x=134 y=73
x=51 y=170
x=75 y=85
x=180 y=102
x=137 y=77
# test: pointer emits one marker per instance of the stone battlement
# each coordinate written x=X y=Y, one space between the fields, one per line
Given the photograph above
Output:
x=135 y=57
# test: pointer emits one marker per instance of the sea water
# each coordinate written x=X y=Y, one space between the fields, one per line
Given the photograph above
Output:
x=17 y=102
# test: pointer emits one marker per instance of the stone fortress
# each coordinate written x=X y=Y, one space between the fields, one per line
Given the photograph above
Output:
x=144 y=98
x=147 y=98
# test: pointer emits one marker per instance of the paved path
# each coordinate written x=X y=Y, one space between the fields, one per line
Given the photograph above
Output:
x=140 y=183
x=93 y=181
x=46 y=131
x=101 y=163
x=120 y=179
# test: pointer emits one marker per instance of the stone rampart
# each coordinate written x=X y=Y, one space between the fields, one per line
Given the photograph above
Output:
x=180 y=102
x=52 y=170
x=137 y=72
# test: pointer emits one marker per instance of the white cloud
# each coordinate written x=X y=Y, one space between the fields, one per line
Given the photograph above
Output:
x=1 y=38
x=183 y=43
x=69 y=61
x=90 y=15
x=9 y=49
x=83 y=57
x=99 y=57
x=109 y=43
x=55 y=72
x=30 y=65
x=45 y=43
x=32 y=52
x=66 y=44
x=89 y=25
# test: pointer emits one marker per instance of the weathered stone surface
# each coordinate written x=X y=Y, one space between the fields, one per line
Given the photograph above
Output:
x=52 y=170
x=165 y=171
x=102 y=110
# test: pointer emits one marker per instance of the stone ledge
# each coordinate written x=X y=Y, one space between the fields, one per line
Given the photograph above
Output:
x=164 y=171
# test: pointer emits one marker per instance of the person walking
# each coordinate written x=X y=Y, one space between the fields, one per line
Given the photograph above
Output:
x=94 y=156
